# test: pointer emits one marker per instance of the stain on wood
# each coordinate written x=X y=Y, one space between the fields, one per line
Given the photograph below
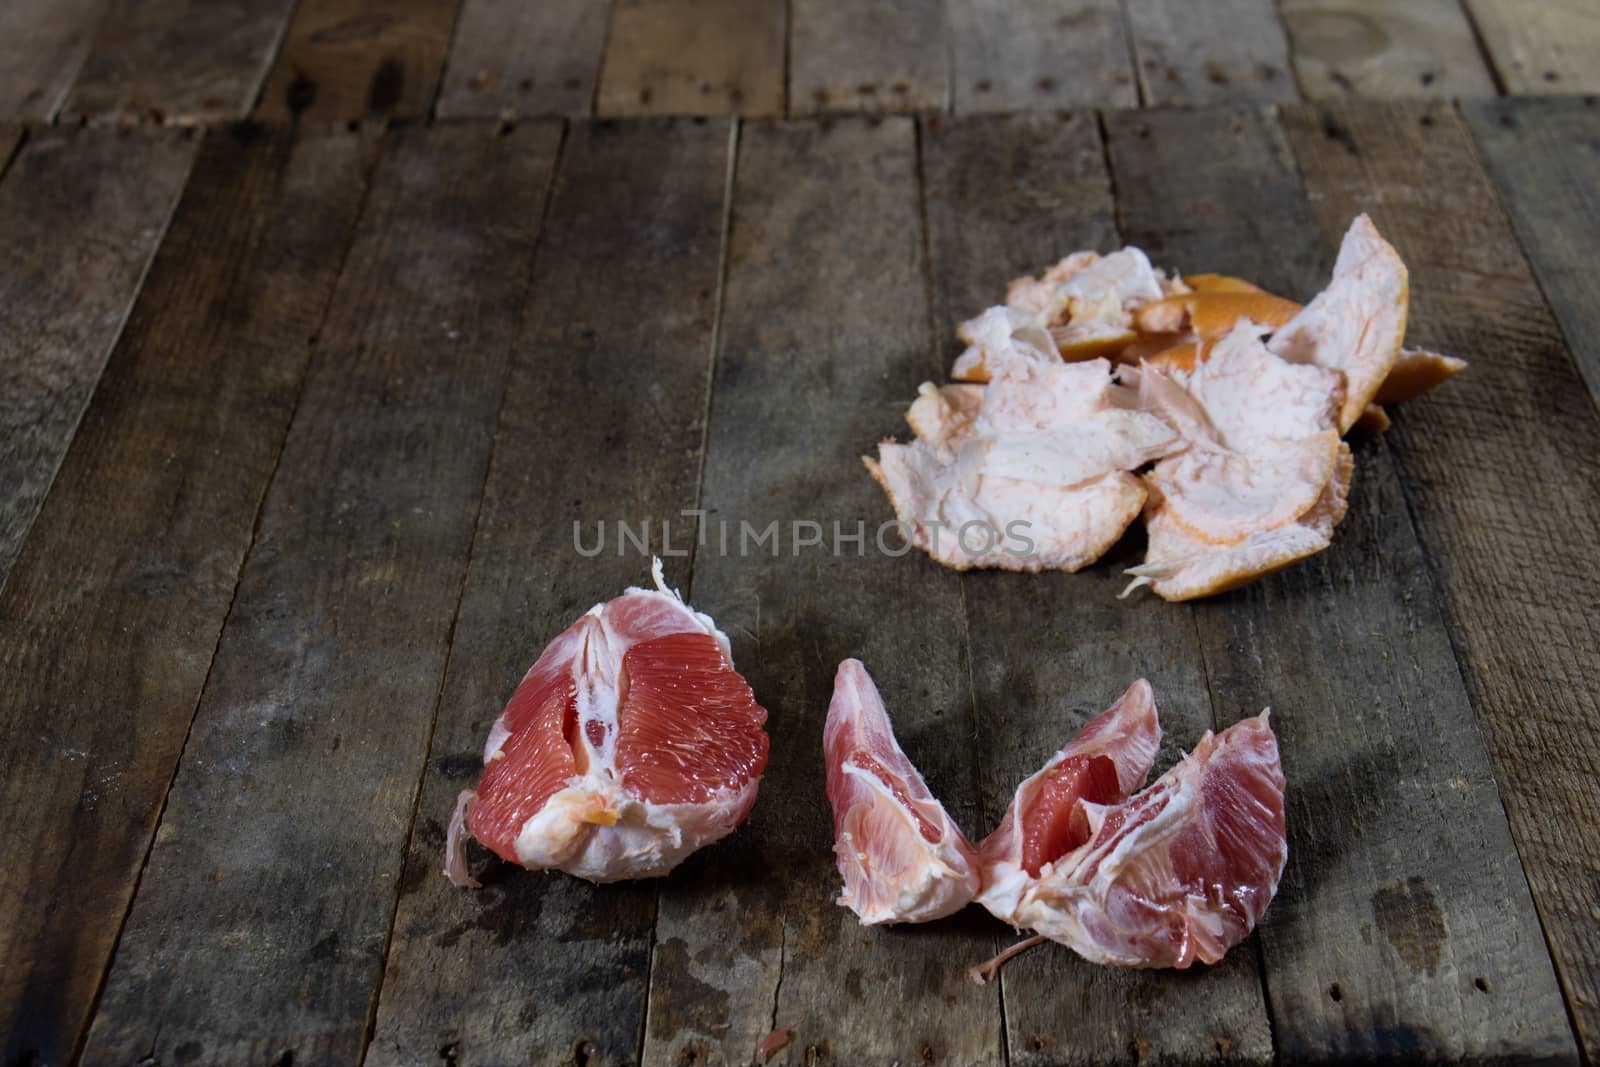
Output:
x=1496 y=471
x=1034 y=55
x=1543 y=48
x=113 y=610
x=694 y=57
x=1037 y=678
x=186 y=61
x=868 y=55
x=635 y=218
x=81 y=213
x=272 y=882
x=1544 y=157
x=1407 y=913
x=349 y=59
x=824 y=337
x=1379 y=49
x=1229 y=51
x=510 y=57
x=42 y=45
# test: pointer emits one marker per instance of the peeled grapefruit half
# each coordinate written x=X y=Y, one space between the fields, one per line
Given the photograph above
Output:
x=903 y=859
x=631 y=743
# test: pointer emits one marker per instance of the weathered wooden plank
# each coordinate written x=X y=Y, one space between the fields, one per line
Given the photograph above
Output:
x=1009 y=196
x=1403 y=888
x=1223 y=51
x=1498 y=470
x=272 y=881
x=81 y=213
x=188 y=61
x=1376 y=48
x=1544 y=156
x=1043 y=192
x=510 y=57
x=345 y=59
x=868 y=55
x=636 y=219
x=694 y=57
x=110 y=618
x=823 y=339
x=1548 y=47
x=42 y=45
x=1020 y=55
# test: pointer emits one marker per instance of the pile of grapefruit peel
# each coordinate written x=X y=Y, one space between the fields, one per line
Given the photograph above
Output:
x=1084 y=855
x=1105 y=389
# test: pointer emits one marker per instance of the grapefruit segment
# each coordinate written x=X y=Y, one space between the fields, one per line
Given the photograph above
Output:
x=533 y=763
x=689 y=728
x=1179 y=873
x=902 y=857
x=631 y=743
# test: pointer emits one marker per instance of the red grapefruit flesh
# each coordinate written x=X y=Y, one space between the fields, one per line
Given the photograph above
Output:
x=1107 y=759
x=1049 y=829
x=536 y=761
x=689 y=728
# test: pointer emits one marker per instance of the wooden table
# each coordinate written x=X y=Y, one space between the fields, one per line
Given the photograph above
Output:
x=297 y=417
x=317 y=517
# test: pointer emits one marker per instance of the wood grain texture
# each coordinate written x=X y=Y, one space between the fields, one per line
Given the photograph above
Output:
x=1403 y=888
x=1021 y=55
x=113 y=610
x=1376 y=48
x=1498 y=471
x=1217 y=52
x=512 y=57
x=1006 y=197
x=868 y=55
x=348 y=59
x=694 y=57
x=272 y=881
x=1544 y=156
x=186 y=61
x=81 y=213
x=42 y=45
x=1540 y=48
x=636 y=217
x=823 y=339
